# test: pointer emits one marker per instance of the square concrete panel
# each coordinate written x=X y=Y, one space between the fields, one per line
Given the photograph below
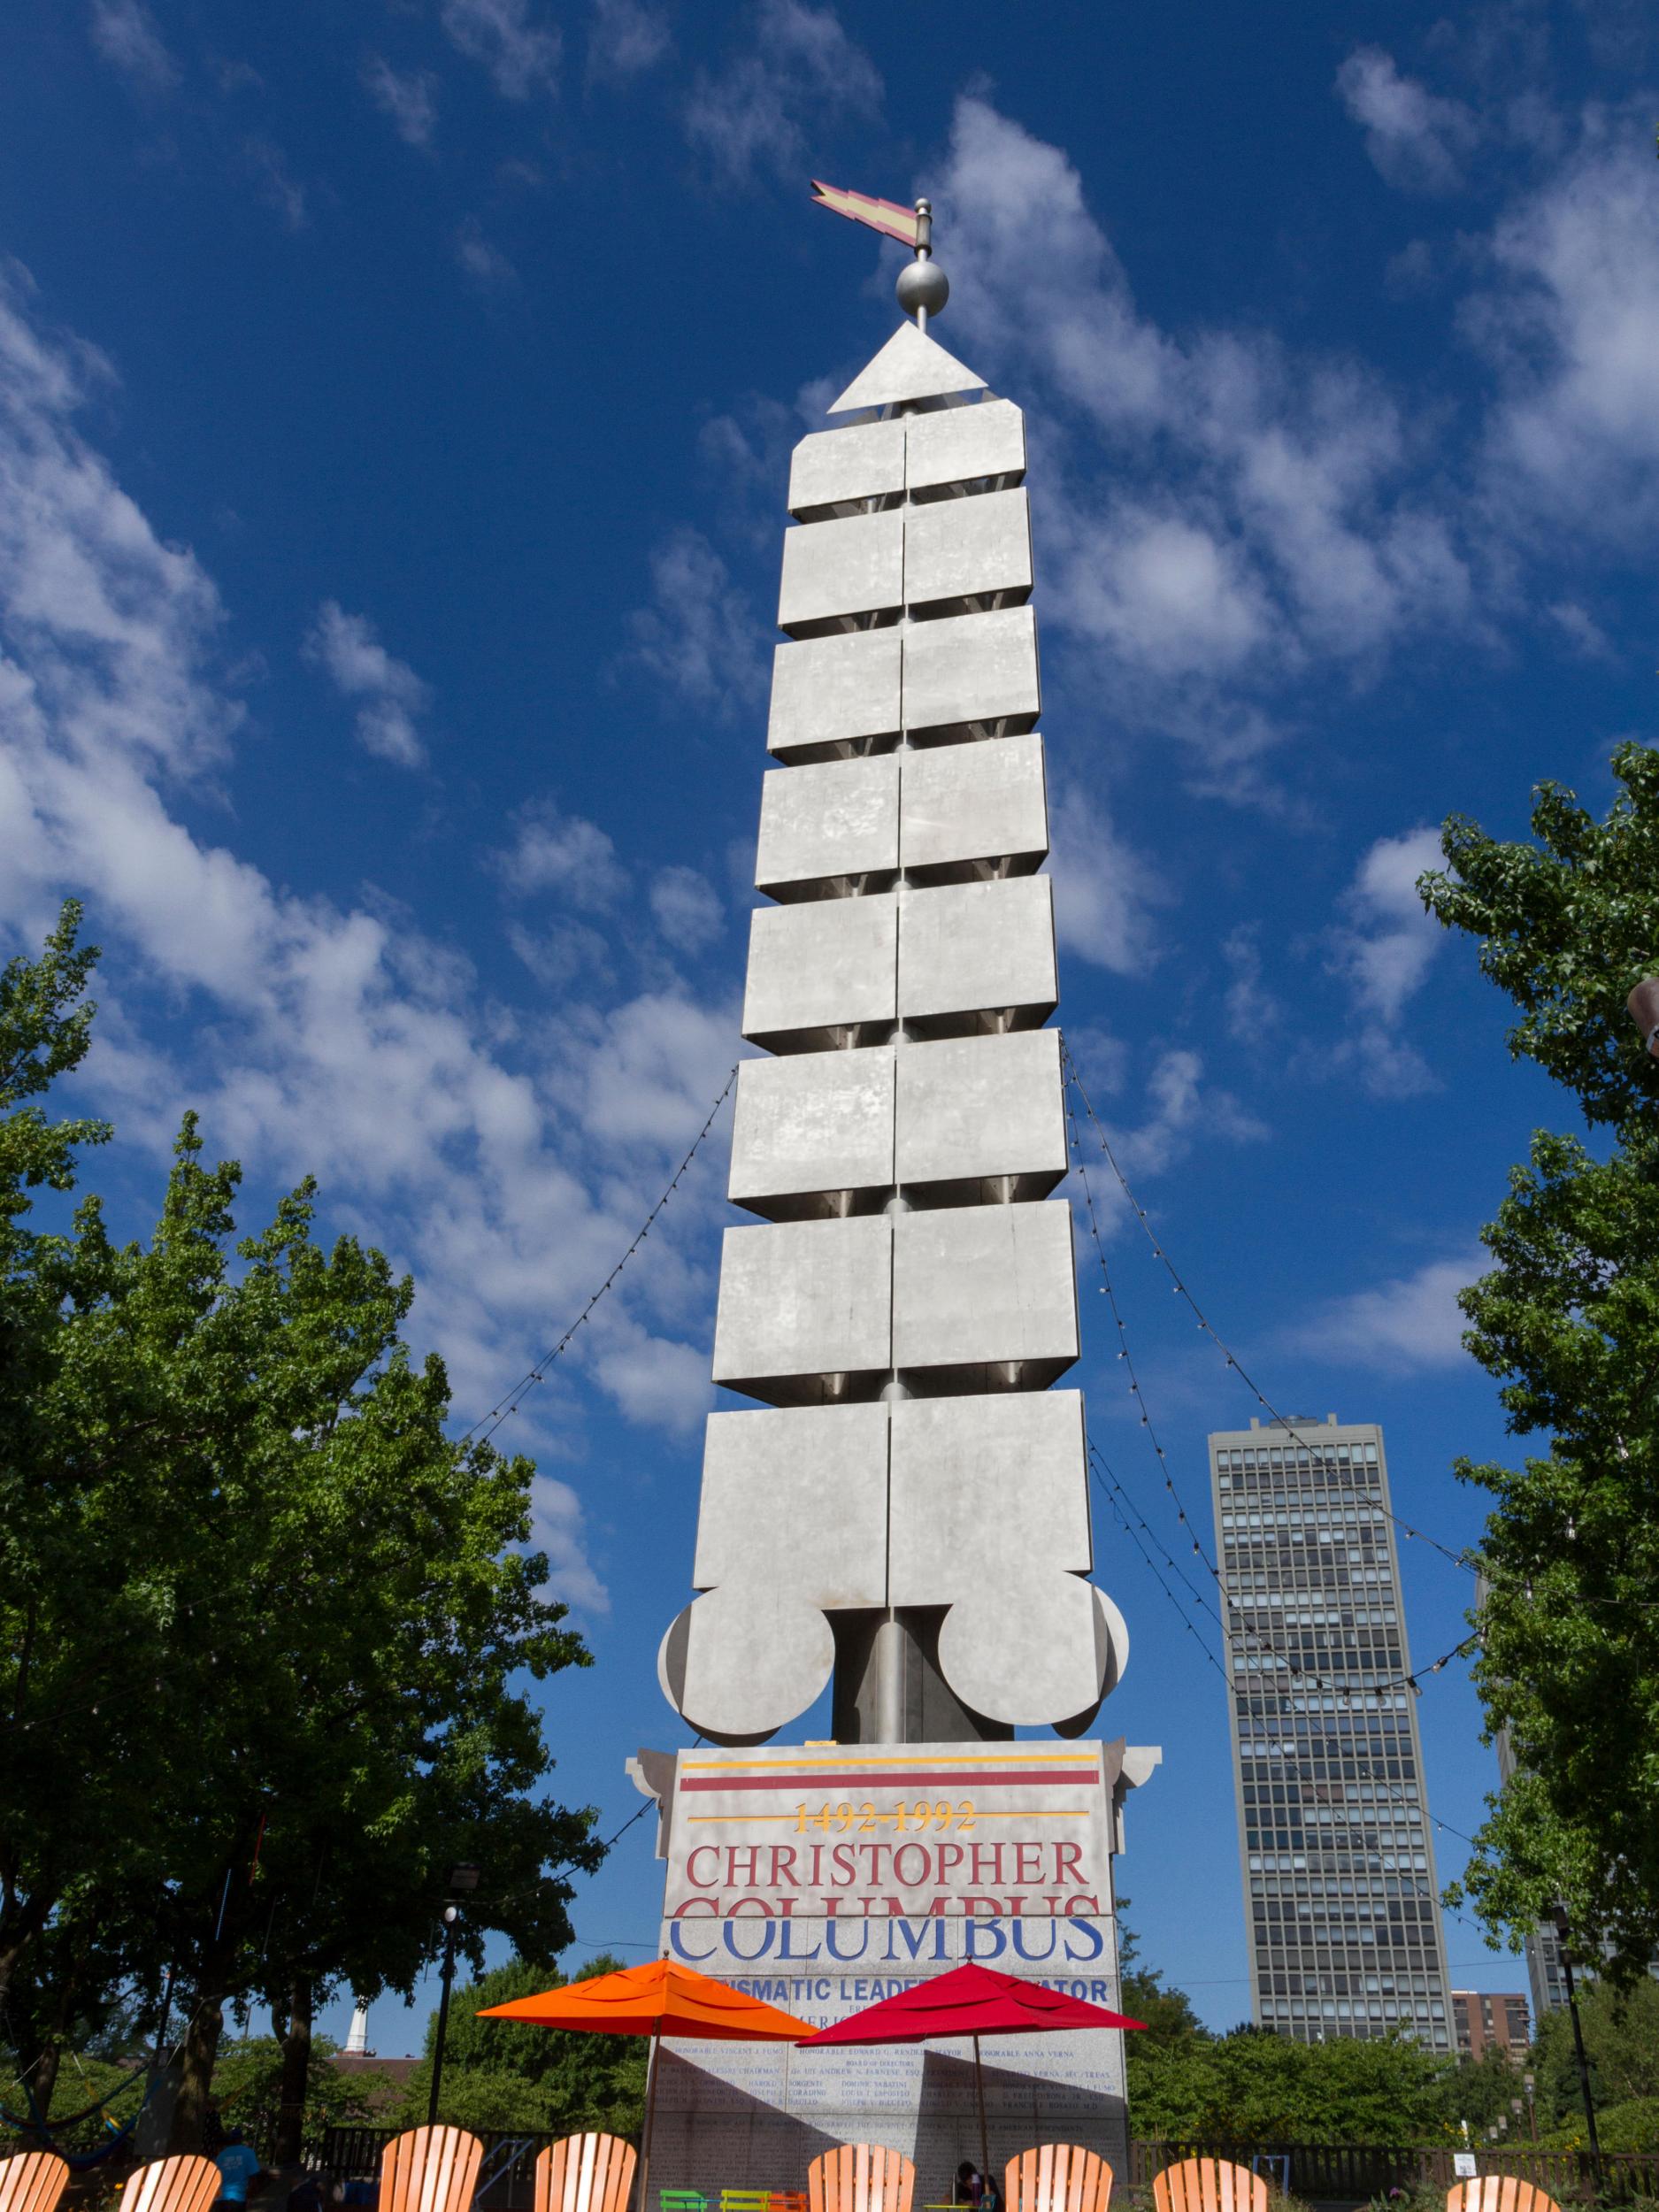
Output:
x=823 y=965
x=970 y=668
x=962 y=445
x=984 y=802
x=834 y=466
x=956 y=549
x=830 y=569
x=835 y=818
x=974 y=947
x=974 y=1107
x=834 y=691
x=981 y=1480
x=801 y=1300
x=796 y=1496
x=812 y=1122
x=974 y=1284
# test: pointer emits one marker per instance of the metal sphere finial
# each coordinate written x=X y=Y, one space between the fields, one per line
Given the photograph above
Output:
x=924 y=285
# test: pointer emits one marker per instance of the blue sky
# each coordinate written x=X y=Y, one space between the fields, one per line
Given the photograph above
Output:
x=394 y=411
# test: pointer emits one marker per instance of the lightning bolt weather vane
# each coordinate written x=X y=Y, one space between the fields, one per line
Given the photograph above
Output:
x=923 y=287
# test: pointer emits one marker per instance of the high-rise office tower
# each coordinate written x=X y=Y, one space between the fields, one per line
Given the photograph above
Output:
x=1338 y=1861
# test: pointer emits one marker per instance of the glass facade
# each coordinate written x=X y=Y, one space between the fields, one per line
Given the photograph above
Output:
x=1343 y=1912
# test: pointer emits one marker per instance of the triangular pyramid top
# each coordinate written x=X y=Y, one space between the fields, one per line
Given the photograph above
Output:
x=909 y=366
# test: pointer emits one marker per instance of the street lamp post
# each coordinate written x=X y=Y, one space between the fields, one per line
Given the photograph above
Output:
x=462 y=1880
x=1530 y=2084
x=1562 y=1924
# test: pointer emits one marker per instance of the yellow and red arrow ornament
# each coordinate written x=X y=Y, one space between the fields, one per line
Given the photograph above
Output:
x=888 y=216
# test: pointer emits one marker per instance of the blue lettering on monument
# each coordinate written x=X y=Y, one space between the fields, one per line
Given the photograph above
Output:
x=765 y=1929
x=1047 y=1920
x=845 y=1958
x=677 y=1938
x=1097 y=1942
x=785 y=1956
x=991 y=1929
x=913 y=1934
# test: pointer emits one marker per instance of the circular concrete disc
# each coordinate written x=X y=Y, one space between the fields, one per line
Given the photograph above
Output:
x=738 y=1664
x=1045 y=1649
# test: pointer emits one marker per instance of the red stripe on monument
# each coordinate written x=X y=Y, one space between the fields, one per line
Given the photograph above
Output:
x=1070 y=1777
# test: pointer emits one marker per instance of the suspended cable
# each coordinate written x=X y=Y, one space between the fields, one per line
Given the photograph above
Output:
x=1153 y=1569
x=486 y=1423
x=1280 y=1421
x=1246 y=1636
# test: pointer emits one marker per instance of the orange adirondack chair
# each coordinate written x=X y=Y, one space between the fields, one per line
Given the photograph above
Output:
x=184 y=2183
x=1209 y=2185
x=1499 y=2193
x=31 y=2182
x=429 y=2170
x=860 y=2177
x=1057 y=2178
x=585 y=2173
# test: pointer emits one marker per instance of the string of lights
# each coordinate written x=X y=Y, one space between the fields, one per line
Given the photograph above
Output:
x=1246 y=1636
x=1280 y=1421
x=1153 y=1570
x=505 y=1407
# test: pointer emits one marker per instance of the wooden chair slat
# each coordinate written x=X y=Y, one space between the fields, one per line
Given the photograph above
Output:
x=858 y=2177
x=429 y=2170
x=31 y=2181
x=593 y=2173
x=1062 y=2178
x=1499 y=2193
x=1210 y=2184
x=184 y=2183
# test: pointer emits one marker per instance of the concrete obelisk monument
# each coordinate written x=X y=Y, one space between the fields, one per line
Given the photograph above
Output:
x=905 y=1514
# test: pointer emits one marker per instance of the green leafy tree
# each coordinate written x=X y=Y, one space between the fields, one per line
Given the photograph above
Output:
x=1166 y=2014
x=1621 y=2041
x=504 y=2074
x=1481 y=2089
x=270 y=1631
x=1568 y=1321
x=1255 y=2086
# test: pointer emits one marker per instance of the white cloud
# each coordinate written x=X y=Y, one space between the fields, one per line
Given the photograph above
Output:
x=1178 y=1110
x=508 y=1162
x=1568 y=318
x=521 y=55
x=797 y=70
x=625 y=38
x=688 y=913
x=1386 y=951
x=345 y=647
x=1253 y=1015
x=123 y=33
x=410 y=96
x=483 y=264
x=699 y=637
x=1103 y=891
x=565 y=854
x=1221 y=511
x=1416 y=139
x=1580 y=629
x=1408 y=1323
x=267 y=166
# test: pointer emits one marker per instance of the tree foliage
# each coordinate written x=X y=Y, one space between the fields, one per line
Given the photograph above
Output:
x=269 y=1632
x=1568 y=1321
x=505 y=2074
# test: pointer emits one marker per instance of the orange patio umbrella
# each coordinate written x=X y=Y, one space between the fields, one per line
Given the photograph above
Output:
x=663 y=1998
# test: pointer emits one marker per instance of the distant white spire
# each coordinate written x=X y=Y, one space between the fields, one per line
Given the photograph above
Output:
x=358 y=2041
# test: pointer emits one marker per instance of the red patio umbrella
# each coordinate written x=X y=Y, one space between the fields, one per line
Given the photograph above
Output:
x=969 y=2001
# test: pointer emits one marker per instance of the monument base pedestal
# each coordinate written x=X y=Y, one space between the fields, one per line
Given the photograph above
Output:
x=822 y=1879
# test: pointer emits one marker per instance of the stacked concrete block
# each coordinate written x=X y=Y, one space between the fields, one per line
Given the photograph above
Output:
x=907 y=1480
